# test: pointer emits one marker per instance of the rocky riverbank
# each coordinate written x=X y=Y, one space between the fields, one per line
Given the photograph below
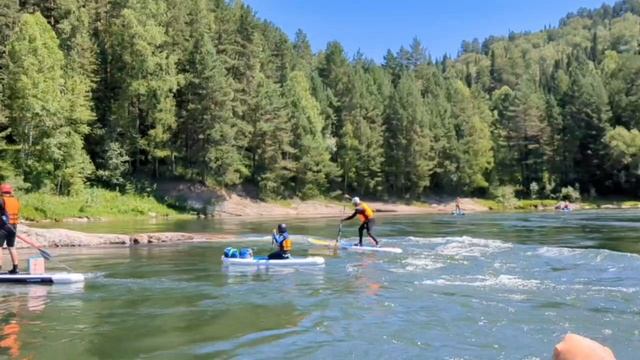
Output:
x=68 y=238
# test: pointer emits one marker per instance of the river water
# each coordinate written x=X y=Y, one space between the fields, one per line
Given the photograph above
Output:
x=482 y=286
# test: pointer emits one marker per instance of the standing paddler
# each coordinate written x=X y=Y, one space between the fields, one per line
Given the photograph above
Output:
x=367 y=220
x=9 y=218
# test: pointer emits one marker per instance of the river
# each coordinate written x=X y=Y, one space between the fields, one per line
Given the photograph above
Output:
x=481 y=286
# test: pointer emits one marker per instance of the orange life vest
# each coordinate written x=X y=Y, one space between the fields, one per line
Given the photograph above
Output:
x=366 y=213
x=12 y=208
x=286 y=245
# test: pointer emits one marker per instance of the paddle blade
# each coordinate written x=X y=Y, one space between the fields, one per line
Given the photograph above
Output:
x=45 y=254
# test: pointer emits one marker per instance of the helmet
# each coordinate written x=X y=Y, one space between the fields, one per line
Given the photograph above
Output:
x=282 y=228
x=355 y=200
x=6 y=189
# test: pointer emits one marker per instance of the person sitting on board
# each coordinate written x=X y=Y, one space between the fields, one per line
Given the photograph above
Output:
x=9 y=218
x=281 y=239
x=367 y=220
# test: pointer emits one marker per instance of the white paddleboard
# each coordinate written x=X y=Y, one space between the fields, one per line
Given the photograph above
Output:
x=347 y=246
x=263 y=261
x=54 y=278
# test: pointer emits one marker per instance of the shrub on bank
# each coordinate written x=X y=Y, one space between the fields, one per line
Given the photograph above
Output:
x=92 y=203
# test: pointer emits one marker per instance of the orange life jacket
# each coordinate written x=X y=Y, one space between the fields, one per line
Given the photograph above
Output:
x=366 y=213
x=11 y=208
x=286 y=245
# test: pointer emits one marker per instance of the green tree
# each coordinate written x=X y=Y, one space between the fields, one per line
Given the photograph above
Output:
x=50 y=136
x=145 y=107
x=624 y=157
x=408 y=143
x=586 y=117
x=314 y=169
x=471 y=145
x=334 y=69
x=270 y=143
x=526 y=132
x=361 y=139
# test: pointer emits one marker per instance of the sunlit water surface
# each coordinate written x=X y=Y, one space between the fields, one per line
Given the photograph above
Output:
x=485 y=286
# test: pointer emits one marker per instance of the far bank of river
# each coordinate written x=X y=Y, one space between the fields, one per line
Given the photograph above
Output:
x=142 y=231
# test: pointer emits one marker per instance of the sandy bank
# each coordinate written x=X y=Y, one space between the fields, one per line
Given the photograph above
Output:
x=235 y=206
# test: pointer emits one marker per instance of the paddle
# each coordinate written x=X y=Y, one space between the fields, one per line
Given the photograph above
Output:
x=45 y=254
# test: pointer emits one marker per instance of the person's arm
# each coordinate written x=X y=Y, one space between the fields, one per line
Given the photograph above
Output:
x=355 y=213
x=277 y=238
x=4 y=217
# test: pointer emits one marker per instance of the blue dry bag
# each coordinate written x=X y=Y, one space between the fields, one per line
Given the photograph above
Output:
x=231 y=252
x=246 y=253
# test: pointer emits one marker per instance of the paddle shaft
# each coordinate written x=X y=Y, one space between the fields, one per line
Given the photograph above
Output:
x=45 y=254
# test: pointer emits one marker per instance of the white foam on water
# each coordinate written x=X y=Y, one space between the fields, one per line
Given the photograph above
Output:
x=557 y=252
x=469 y=246
x=422 y=263
x=501 y=281
x=432 y=240
x=94 y=275
x=626 y=290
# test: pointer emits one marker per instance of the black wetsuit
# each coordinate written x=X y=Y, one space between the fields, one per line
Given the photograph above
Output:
x=366 y=225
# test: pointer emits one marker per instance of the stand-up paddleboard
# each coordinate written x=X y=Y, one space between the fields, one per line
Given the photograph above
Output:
x=264 y=261
x=55 y=278
x=457 y=213
x=346 y=246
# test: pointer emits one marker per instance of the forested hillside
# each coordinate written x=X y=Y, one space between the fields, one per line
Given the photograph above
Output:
x=99 y=92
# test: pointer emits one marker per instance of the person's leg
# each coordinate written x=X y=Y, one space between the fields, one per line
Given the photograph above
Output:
x=276 y=255
x=369 y=228
x=3 y=238
x=360 y=233
x=11 y=243
x=14 y=259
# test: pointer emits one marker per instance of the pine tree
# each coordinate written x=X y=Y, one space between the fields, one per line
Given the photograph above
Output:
x=362 y=148
x=145 y=107
x=303 y=60
x=51 y=140
x=469 y=151
x=211 y=142
x=314 y=169
x=334 y=71
x=526 y=131
x=408 y=144
x=586 y=117
x=270 y=142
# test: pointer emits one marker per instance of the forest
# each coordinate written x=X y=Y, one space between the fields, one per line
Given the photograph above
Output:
x=103 y=93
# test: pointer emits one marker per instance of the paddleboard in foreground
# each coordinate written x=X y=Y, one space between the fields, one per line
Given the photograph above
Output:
x=263 y=261
x=54 y=278
x=346 y=246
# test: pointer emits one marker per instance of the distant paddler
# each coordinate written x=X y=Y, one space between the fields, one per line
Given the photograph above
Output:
x=458 y=210
x=9 y=219
x=367 y=221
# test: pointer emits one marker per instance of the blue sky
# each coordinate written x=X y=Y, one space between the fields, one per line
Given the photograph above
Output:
x=373 y=26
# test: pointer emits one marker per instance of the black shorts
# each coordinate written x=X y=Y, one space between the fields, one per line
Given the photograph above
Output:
x=8 y=235
x=368 y=225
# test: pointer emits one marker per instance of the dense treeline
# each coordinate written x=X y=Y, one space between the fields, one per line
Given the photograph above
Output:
x=97 y=91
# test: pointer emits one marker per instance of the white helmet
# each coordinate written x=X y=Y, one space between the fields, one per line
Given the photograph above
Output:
x=355 y=200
